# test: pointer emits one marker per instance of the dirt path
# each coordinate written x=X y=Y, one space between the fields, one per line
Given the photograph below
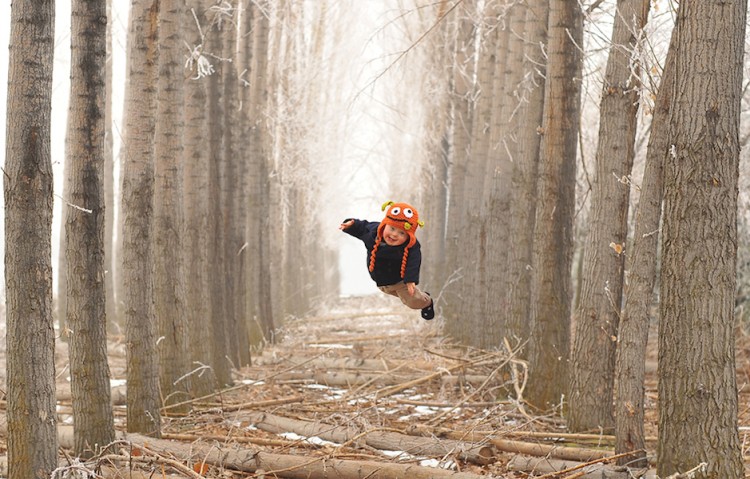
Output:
x=370 y=382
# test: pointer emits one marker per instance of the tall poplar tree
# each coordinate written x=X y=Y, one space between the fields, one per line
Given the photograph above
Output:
x=553 y=233
x=84 y=229
x=169 y=220
x=598 y=314
x=27 y=185
x=137 y=178
x=697 y=376
x=195 y=192
x=524 y=172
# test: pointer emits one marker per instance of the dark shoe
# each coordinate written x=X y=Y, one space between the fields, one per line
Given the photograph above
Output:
x=428 y=312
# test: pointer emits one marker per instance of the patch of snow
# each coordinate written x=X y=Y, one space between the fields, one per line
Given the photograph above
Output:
x=252 y=382
x=335 y=393
x=332 y=346
x=312 y=440
x=398 y=454
x=450 y=465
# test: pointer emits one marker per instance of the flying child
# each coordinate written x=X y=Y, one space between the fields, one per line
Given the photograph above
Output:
x=394 y=255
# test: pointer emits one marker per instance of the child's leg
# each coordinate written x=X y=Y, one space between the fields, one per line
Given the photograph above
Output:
x=420 y=300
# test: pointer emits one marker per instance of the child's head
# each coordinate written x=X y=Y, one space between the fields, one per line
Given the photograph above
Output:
x=403 y=218
x=399 y=226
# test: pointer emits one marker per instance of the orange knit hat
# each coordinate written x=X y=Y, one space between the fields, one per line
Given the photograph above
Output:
x=404 y=217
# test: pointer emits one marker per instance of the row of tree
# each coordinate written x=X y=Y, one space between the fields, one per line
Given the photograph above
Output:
x=200 y=263
x=510 y=139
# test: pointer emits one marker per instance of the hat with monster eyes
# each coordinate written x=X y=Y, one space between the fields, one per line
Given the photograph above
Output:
x=404 y=217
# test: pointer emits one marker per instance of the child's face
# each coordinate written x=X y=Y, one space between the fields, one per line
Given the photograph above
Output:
x=394 y=236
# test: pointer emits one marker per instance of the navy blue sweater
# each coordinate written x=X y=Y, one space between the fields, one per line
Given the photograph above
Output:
x=388 y=259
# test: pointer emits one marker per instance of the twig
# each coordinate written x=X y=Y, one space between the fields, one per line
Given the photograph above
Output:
x=240 y=386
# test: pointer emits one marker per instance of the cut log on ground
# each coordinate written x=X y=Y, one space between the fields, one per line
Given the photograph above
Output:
x=344 y=363
x=290 y=467
x=383 y=440
x=515 y=447
x=555 y=468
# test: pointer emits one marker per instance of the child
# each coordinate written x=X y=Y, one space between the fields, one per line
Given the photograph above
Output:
x=393 y=254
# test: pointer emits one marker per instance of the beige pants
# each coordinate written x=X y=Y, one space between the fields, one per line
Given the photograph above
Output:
x=418 y=301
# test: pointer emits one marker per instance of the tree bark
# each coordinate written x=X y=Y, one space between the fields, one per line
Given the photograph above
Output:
x=195 y=191
x=462 y=108
x=697 y=376
x=632 y=339
x=137 y=207
x=493 y=47
x=217 y=294
x=553 y=234
x=233 y=224
x=598 y=315
x=84 y=230
x=260 y=223
x=169 y=216
x=524 y=174
x=503 y=149
x=27 y=180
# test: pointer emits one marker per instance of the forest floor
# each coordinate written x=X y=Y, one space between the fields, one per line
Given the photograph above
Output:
x=368 y=390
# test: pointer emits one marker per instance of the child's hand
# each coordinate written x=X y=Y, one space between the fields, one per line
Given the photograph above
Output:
x=410 y=288
x=346 y=224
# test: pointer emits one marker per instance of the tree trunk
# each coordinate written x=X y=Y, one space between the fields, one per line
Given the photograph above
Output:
x=697 y=376
x=27 y=180
x=169 y=271
x=195 y=171
x=462 y=107
x=254 y=152
x=137 y=208
x=234 y=228
x=502 y=155
x=437 y=126
x=473 y=286
x=524 y=174
x=217 y=294
x=84 y=229
x=553 y=235
x=632 y=339
x=597 y=319
x=261 y=223
x=240 y=203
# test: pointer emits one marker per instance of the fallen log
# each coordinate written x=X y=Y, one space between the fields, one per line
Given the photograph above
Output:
x=515 y=447
x=379 y=439
x=288 y=466
x=385 y=379
x=553 y=468
x=342 y=363
x=325 y=342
